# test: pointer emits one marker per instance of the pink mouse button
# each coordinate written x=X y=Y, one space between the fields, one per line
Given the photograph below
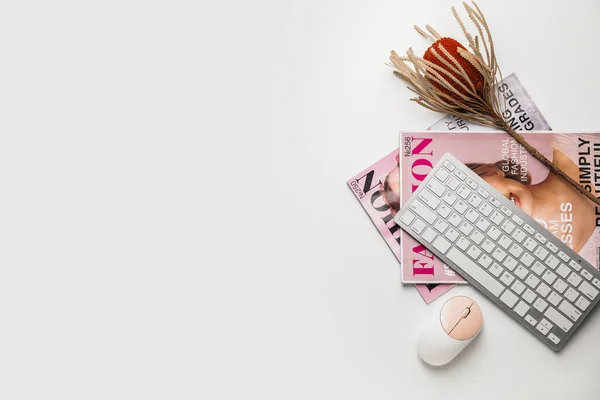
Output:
x=461 y=318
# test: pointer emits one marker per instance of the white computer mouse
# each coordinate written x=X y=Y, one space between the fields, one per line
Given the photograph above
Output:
x=451 y=328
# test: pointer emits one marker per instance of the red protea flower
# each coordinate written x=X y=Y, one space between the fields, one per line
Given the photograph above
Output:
x=435 y=52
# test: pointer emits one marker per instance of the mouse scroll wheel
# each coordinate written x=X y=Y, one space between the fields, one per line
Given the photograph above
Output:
x=465 y=313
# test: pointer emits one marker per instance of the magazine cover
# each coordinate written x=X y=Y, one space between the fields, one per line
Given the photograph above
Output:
x=509 y=168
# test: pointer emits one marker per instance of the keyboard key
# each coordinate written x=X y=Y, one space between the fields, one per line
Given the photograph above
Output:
x=538 y=268
x=532 y=281
x=449 y=165
x=509 y=298
x=542 y=329
x=475 y=271
x=472 y=215
x=496 y=218
x=423 y=211
x=441 y=225
x=527 y=259
x=582 y=303
x=519 y=235
x=540 y=238
x=518 y=288
x=451 y=234
x=529 y=229
x=521 y=272
x=541 y=253
x=474 y=200
x=529 y=296
x=442 y=174
x=529 y=244
x=463 y=243
x=553 y=338
x=551 y=261
x=588 y=290
x=418 y=226
x=449 y=198
x=546 y=324
x=596 y=283
x=452 y=183
x=474 y=252
x=517 y=219
x=569 y=310
x=540 y=305
x=472 y=183
x=506 y=211
x=510 y=263
x=522 y=308
x=463 y=192
x=495 y=202
x=563 y=256
x=485 y=261
x=494 y=233
x=429 y=235
x=436 y=187
x=563 y=270
x=465 y=228
x=507 y=226
x=532 y=321
x=441 y=244
x=407 y=217
x=558 y=319
x=575 y=265
x=488 y=245
x=444 y=211
x=455 y=219
x=586 y=274
x=549 y=277
x=496 y=270
x=507 y=278
x=461 y=206
x=571 y=295
x=482 y=224
x=483 y=193
x=516 y=250
x=461 y=175
x=498 y=254
x=554 y=299
x=543 y=290
x=560 y=286
x=476 y=237
x=552 y=247
x=574 y=279
x=429 y=198
x=486 y=209
x=504 y=241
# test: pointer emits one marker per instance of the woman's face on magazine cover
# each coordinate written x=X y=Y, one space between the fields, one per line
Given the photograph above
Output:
x=512 y=190
x=394 y=180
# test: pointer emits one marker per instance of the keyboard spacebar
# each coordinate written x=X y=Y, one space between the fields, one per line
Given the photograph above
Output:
x=475 y=271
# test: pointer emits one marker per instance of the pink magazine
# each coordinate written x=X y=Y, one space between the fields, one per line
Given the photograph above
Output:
x=368 y=187
x=508 y=167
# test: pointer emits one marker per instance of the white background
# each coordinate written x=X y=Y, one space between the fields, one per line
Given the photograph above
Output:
x=175 y=220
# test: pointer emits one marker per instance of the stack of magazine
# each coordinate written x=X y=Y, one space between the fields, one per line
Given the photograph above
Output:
x=383 y=187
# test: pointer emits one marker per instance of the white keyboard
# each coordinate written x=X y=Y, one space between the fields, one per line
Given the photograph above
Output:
x=502 y=251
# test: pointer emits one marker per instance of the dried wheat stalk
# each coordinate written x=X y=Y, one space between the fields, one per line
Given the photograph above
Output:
x=453 y=80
